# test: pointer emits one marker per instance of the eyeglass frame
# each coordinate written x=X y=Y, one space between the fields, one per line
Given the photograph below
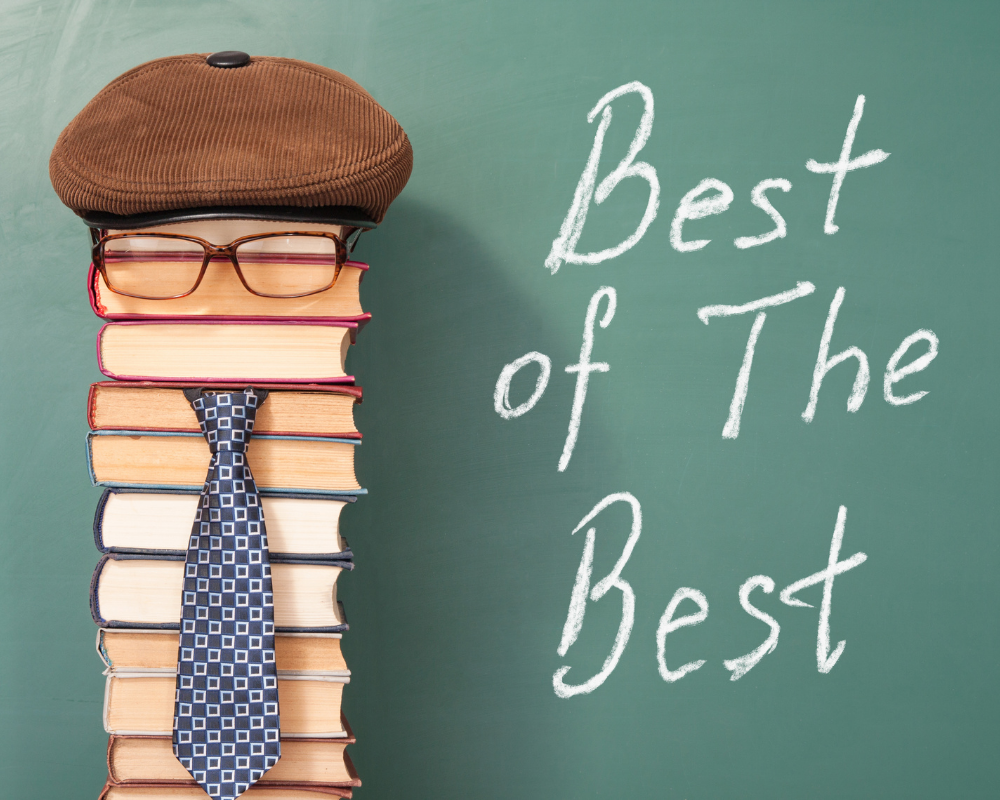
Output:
x=101 y=237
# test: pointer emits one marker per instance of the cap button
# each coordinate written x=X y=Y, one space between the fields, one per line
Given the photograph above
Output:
x=227 y=59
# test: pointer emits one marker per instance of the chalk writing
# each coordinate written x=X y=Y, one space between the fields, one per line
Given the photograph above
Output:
x=669 y=623
x=834 y=567
x=582 y=590
x=501 y=396
x=825 y=362
x=584 y=367
x=742 y=665
x=894 y=373
x=759 y=199
x=845 y=164
x=694 y=206
x=732 y=427
x=709 y=197
x=564 y=246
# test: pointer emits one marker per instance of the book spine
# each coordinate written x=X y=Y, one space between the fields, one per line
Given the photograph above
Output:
x=95 y=579
x=91 y=401
x=90 y=462
x=347 y=498
x=112 y=778
x=99 y=518
x=92 y=298
x=276 y=558
x=355 y=391
x=102 y=651
x=341 y=559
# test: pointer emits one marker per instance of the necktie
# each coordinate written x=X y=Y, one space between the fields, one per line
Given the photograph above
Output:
x=226 y=706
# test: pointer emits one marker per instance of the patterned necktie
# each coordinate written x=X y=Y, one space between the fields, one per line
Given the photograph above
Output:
x=226 y=706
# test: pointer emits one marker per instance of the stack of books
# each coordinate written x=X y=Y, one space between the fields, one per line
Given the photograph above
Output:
x=146 y=449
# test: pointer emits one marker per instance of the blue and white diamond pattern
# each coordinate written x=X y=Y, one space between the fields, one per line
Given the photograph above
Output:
x=226 y=705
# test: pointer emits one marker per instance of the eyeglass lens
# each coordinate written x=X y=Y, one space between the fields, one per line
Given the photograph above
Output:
x=163 y=267
x=283 y=266
x=152 y=267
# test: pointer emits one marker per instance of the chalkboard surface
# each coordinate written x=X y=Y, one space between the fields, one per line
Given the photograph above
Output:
x=496 y=653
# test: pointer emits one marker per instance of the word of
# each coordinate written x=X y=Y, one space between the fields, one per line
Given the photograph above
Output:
x=693 y=205
x=670 y=622
x=583 y=368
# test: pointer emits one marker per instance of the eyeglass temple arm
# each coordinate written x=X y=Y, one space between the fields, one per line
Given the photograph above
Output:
x=352 y=239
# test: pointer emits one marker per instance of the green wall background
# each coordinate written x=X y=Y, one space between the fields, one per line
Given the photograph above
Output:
x=465 y=558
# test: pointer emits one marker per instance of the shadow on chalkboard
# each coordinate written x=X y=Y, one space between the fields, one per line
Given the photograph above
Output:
x=465 y=559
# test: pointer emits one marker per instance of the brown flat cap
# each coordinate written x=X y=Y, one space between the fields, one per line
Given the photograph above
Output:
x=179 y=133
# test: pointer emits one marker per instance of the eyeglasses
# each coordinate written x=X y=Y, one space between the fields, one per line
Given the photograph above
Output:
x=166 y=266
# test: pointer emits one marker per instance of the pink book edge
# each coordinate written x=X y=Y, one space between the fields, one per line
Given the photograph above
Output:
x=201 y=378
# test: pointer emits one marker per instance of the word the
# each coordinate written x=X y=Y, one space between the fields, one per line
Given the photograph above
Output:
x=824 y=361
x=693 y=205
x=670 y=622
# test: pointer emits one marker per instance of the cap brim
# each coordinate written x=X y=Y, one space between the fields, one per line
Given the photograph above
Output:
x=329 y=215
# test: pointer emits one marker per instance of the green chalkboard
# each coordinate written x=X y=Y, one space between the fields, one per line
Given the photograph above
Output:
x=467 y=560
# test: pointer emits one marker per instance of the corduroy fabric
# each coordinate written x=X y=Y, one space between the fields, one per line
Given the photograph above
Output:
x=177 y=133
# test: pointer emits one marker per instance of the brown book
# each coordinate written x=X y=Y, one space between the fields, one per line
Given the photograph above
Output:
x=124 y=650
x=143 y=704
x=311 y=410
x=309 y=763
x=196 y=351
x=255 y=792
x=180 y=460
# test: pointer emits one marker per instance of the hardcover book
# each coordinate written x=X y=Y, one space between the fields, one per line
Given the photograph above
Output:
x=304 y=763
x=309 y=410
x=220 y=295
x=144 y=592
x=137 y=703
x=155 y=650
x=255 y=792
x=280 y=464
x=245 y=352
x=160 y=523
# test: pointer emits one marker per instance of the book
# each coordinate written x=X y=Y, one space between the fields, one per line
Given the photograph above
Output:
x=159 y=523
x=220 y=295
x=305 y=763
x=154 y=460
x=142 y=704
x=268 y=352
x=309 y=410
x=129 y=591
x=131 y=650
x=255 y=792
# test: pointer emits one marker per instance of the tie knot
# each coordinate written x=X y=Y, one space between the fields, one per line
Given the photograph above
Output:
x=227 y=419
